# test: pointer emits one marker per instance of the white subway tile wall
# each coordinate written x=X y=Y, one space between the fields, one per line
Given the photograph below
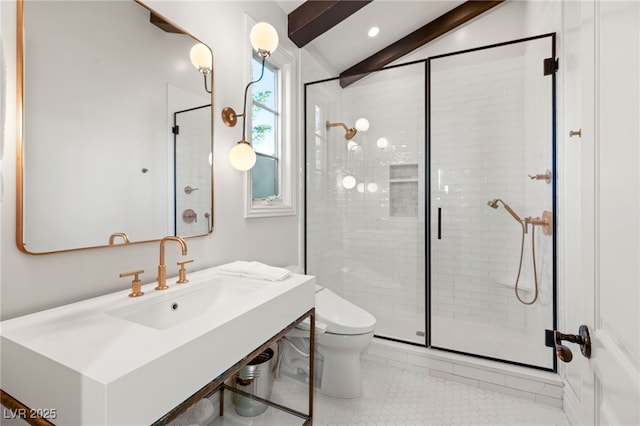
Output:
x=385 y=230
x=325 y=154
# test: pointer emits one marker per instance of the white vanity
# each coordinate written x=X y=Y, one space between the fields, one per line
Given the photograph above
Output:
x=117 y=360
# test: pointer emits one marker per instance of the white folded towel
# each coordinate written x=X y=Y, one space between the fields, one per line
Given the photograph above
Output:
x=198 y=414
x=255 y=270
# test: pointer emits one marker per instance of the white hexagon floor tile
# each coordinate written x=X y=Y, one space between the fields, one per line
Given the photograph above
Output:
x=397 y=397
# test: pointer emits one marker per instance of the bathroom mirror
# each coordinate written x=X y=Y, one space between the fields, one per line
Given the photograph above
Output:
x=115 y=127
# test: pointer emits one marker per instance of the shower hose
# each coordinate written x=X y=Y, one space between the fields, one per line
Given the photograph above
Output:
x=533 y=255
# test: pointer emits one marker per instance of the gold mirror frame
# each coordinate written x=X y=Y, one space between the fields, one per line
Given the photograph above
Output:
x=157 y=20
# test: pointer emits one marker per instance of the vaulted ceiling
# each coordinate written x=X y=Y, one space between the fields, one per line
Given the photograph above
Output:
x=335 y=32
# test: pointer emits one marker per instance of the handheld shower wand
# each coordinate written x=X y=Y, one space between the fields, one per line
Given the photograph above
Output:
x=494 y=205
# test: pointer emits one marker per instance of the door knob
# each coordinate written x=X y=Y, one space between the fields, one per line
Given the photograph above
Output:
x=554 y=339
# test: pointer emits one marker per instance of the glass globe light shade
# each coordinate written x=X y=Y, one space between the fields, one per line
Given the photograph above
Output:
x=264 y=37
x=360 y=187
x=382 y=143
x=362 y=124
x=200 y=56
x=242 y=157
x=349 y=182
x=372 y=187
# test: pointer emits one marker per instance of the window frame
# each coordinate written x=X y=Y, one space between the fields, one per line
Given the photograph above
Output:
x=286 y=67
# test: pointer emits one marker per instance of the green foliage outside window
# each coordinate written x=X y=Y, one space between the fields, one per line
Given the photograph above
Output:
x=259 y=131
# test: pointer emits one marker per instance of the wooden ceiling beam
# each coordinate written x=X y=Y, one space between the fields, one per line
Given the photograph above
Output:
x=423 y=35
x=314 y=17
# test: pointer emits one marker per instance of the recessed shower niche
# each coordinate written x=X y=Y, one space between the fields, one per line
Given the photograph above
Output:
x=403 y=190
x=425 y=254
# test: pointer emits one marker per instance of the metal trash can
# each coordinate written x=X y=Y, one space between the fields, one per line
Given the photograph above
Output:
x=254 y=378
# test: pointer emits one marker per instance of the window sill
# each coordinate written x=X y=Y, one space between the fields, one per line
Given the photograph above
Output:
x=269 y=208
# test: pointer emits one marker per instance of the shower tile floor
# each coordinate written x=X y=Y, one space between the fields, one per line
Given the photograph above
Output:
x=397 y=397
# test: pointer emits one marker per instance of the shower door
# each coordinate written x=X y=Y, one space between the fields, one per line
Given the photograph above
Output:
x=491 y=149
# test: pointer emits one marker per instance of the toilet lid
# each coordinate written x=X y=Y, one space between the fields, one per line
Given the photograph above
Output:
x=342 y=316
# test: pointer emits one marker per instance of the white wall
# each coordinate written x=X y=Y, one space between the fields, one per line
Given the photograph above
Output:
x=31 y=283
x=569 y=178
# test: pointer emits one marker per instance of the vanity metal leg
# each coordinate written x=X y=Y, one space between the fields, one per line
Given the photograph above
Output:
x=221 y=396
x=312 y=371
x=12 y=408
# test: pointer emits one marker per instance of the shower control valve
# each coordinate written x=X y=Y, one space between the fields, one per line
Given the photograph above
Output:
x=544 y=176
x=545 y=222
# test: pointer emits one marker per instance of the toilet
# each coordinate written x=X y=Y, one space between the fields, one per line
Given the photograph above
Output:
x=343 y=331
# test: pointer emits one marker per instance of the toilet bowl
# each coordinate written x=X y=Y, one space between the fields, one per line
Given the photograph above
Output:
x=343 y=331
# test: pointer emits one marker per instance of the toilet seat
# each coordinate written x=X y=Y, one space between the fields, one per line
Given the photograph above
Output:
x=340 y=315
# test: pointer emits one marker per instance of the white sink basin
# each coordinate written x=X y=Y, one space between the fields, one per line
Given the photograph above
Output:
x=116 y=360
x=173 y=309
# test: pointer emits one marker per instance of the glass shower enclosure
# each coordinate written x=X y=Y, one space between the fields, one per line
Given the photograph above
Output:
x=436 y=216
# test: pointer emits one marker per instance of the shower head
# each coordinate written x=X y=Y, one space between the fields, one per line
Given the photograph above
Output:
x=350 y=132
x=494 y=205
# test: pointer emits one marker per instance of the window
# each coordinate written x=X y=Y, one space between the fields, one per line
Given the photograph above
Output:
x=264 y=130
x=271 y=182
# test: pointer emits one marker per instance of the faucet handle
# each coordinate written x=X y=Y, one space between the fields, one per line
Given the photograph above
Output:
x=182 y=273
x=135 y=284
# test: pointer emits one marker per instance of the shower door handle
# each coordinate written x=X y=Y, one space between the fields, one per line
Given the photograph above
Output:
x=439 y=223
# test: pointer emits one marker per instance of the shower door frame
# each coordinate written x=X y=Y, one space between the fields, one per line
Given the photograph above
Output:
x=428 y=179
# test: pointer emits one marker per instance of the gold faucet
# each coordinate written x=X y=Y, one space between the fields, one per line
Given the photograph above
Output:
x=162 y=268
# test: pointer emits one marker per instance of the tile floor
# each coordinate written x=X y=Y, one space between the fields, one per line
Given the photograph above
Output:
x=397 y=397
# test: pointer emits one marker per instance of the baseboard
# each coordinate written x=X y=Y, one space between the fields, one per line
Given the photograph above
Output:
x=572 y=405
